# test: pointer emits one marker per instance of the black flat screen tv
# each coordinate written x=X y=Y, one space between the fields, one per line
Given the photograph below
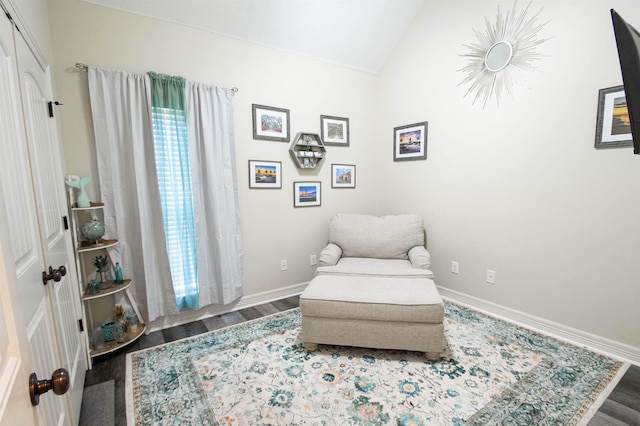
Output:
x=628 y=42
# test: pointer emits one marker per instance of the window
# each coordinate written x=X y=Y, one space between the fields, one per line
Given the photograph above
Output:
x=174 y=181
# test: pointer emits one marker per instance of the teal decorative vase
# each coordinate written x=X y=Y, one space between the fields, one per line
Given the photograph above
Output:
x=117 y=270
x=93 y=230
x=112 y=330
x=93 y=287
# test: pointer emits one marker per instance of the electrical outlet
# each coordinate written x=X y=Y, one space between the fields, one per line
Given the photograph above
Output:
x=491 y=276
x=283 y=265
x=455 y=267
x=313 y=260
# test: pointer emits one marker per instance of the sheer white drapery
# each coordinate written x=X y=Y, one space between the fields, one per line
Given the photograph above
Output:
x=215 y=193
x=121 y=110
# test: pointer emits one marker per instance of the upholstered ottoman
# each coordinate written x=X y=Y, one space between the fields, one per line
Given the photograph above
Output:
x=382 y=312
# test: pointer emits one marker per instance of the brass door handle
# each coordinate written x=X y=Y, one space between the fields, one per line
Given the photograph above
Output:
x=59 y=382
x=54 y=274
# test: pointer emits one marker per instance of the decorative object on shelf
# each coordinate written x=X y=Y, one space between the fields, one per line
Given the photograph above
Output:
x=82 y=200
x=118 y=312
x=334 y=130
x=306 y=194
x=343 y=176
x=111 y=330
x=270 y=123
x=265 y=174
x=102 y=269
x=117 y=272
x=98 y=338
x=503 y=48
x=613 y=127
x=93 y=230
x=132 y=320
x=410 y=142
x=93 y=287
x=307 y=150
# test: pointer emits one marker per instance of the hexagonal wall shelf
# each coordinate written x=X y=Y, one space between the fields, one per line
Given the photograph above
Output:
x=307 y=150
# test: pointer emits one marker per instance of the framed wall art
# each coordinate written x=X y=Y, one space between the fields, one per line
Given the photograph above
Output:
x=335 y=130
x=265 y=174
x=343 y=176
x=410 y=142
x=613 y=128
x=306 y=194
x=270 y=123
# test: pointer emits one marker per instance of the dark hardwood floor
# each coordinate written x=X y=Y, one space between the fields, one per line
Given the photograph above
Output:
x=103 y=402
x=622 y=407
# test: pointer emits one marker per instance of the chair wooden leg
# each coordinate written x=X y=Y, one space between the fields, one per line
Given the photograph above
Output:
x=432 y=356
x=311 y=347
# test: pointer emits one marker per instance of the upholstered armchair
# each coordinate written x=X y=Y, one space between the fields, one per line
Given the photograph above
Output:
x=376 y=245
x=373 y=288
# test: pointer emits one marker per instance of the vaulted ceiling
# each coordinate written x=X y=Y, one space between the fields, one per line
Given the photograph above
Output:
x=360 y=34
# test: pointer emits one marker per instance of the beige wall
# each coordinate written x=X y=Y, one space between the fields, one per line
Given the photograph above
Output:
x=520 y=189
x=272 y=228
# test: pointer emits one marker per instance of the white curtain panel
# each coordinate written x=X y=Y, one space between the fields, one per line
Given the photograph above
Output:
x=215 y=193
x=121 y=109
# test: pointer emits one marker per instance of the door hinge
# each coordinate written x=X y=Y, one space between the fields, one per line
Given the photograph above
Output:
x=80 y=325
x=9 y=17
x=65 y=221
x=51 y=104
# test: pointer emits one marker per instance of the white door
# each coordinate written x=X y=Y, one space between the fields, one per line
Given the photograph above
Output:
x=33 y=195
x=15 y=364
x=51 y=202
x=21 y=255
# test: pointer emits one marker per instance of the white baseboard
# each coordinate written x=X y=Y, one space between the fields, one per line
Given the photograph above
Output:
x=604 y=346
x=212 y=311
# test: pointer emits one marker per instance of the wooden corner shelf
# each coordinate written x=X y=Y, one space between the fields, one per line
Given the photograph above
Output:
x=92 y=206
x=84 y=271
x=90 y=246
x=114 y=345
x=107 y=291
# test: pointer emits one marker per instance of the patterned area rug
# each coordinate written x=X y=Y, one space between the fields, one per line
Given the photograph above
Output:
x=259 y=373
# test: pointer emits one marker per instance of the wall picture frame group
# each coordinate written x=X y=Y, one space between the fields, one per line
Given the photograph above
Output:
x=306 y=194
x=334 y=130
x=410 y=142
x=343 y=176
x=613 y=128
x=265 y=174
x=270 y=123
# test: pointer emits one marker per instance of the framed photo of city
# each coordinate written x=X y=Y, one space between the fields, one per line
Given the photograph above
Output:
x=613 y=128
x=306 y=194
x=343 y=176
x=265 y=174
x=270 y=123
x=410 y=142
x=334 y=130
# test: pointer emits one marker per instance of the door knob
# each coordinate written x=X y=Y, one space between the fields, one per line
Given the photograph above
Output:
x=54 y=274
x=59 y=383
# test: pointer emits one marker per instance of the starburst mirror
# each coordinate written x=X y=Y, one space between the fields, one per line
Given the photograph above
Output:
x=502 y=48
